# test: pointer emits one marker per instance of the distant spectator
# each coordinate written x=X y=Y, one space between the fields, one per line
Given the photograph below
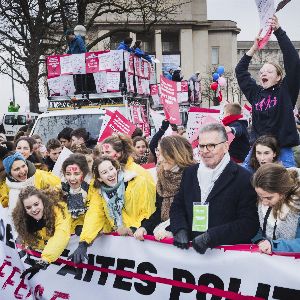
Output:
x=125 y=45
x=177 y=76
x=65 y=137
x=169 y=74
x=195 y=77
x=12 y=107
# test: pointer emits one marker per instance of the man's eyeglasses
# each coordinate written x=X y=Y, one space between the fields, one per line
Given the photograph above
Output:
x=209 y=147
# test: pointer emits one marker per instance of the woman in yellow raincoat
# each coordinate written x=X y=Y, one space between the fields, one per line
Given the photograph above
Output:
x=42 y=222
x=119 y=201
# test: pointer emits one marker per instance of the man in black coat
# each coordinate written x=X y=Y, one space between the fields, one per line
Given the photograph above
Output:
x=216 y=204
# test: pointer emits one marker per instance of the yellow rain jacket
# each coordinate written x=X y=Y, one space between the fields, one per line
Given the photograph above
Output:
x=53 y=246
x=138 y=205
x=4 y=194
x=42 y=180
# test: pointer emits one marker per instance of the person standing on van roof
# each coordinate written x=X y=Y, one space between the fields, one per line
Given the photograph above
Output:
x=65 y=137
x=125 y=45
x=75 y=43
x=12 y=107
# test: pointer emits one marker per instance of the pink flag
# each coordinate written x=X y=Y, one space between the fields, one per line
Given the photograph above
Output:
x=117 y=124
x=168 y=89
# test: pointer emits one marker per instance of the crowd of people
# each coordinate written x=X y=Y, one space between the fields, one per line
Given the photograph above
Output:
x=247 y=191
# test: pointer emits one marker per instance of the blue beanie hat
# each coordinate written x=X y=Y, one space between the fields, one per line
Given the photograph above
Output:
x=9 y=160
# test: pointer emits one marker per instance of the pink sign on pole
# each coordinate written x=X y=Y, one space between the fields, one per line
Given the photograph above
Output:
x=117 y=124
x=168 y=89
x=53 y=66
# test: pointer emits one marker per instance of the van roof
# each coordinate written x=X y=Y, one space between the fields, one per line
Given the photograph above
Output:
x=83 y=111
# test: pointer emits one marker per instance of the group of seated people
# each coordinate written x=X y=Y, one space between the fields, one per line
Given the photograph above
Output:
x=211 y=203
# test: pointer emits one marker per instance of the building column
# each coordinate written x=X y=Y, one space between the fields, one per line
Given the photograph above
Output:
x=187 y=53
x=104 y=44
x=158 y=53
x=133 y=36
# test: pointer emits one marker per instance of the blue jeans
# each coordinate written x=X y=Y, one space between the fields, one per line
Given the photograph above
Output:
x=286 y=157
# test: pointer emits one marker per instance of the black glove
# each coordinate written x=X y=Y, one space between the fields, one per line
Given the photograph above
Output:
x=80 y=253
x=201 y=243
x=39 y=265
x=174 y=127
x=181 y=239
x=164 y=125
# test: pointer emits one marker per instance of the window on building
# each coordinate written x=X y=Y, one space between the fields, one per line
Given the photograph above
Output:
x=215 y=55
x=170 y=42
x=147 y=42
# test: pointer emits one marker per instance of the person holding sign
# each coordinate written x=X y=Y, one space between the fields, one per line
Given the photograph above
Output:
x=175 y=154
x=274 y=99
x=42 y=222
x=119 y=201
x=278 y=190
x=216 y=204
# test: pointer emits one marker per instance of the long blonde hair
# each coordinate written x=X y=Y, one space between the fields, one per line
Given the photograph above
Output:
x=178 y=149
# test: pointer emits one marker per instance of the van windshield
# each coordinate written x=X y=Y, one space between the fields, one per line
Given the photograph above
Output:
x=49 y=127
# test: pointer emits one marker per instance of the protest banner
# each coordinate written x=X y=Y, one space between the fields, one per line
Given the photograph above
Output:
x=168 y=89
x=266 y=10
x=124 y=268
x=117 y=124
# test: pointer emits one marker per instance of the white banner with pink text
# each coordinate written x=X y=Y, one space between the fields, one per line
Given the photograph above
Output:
x=123 y=268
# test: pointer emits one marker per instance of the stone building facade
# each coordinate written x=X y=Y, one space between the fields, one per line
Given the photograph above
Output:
x=189 y=40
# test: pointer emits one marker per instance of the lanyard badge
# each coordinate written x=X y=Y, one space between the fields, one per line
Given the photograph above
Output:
x=200 y=217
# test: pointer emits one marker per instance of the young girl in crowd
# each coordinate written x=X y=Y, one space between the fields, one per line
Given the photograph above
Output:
x=278 y=190
x=141 y=148
x=25 y=145
x=21 y=173
x=119 y=201
x=120 y=147
x=75 y=168
x=274 y=100
x=175 y=153
x=264 y=150
x=42 y=222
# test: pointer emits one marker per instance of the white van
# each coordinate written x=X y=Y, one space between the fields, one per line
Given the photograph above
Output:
x=13 y=121
x=49 y=124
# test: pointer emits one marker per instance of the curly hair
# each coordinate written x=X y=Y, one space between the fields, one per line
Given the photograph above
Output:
x=267 y=141
x=274 y=178
x=76 y=159
x=50 y=198
x=121 y=144
x=96 y=164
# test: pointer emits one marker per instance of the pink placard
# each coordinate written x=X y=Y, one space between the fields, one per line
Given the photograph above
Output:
x=117 y=124
x=168 y=89
x=92 y=62
x=53 y=66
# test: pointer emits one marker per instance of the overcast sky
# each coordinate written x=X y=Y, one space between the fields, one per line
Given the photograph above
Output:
x=244 y=12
